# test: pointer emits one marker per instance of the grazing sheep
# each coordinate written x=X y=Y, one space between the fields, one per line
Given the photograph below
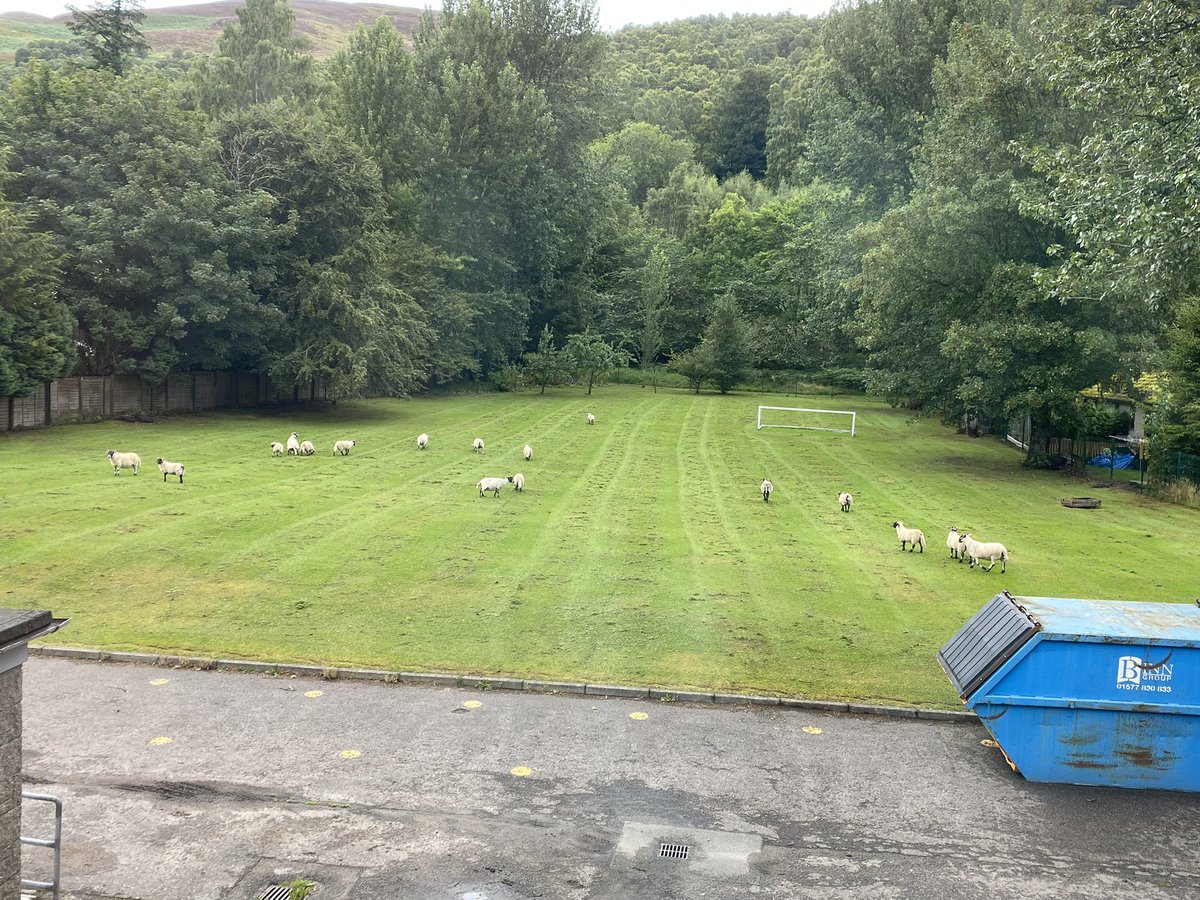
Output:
x=528 y=452
x=477 y=445
x=276 y=448
x=307 y=448
x=422 y=441
x=912 y=536
x=293 y=445
x=343 y=447
x=591 y=419
x=845 y=500
x=518 y=481
x=170 y=468
x=492 y=484
x=952 y=543
x=978 y=550
x=766 y=487
x=124 y=461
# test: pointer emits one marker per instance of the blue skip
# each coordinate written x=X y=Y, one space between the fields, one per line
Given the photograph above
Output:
x=1085 y=691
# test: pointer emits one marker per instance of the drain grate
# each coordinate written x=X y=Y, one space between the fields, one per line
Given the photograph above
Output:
x=276 y=892
x=674 y=851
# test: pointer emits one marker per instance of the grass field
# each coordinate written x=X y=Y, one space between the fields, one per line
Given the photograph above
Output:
x=641 y=551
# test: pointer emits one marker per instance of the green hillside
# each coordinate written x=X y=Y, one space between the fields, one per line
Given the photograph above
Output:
x=195 y=28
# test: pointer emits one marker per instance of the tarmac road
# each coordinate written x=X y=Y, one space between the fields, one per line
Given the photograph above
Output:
x=188 y=785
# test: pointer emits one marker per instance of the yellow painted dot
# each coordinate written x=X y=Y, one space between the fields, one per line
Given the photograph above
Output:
x=988 y=742
x=472 y=704
x=158 y=681
x=640 y=716
x=160 y=741
x=522 y=771
x=350 y=754
x=811 y=729
x=314 y=693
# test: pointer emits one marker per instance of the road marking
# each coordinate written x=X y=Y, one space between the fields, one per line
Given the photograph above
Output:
x=314 y=693
x=811 y=729
x=160 y=741
x=522 y=771
x=350 y=754
x=158 y=681
x=472 y=704
x=640 y=716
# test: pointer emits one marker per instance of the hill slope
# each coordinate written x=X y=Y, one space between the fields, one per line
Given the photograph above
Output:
x=195 y=28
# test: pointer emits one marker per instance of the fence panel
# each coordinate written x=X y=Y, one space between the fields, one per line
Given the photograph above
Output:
x=91 y=397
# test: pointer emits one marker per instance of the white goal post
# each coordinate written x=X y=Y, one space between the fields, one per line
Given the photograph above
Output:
x=836 y=412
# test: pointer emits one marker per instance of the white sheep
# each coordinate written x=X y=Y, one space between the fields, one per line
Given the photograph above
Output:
x=170 y=468
x=422 y=441
x=952 y=543
x=518 y=482
x=276 y=448
x=491 y=484
x=591 y=419
x=528 y=453
x=307 y=448
x=343 y=447
x=845 y=500
x=978 y=550
x=293 y=445
x=912 y=536
x=766 y=487
x=124 y=461
x=477 y=445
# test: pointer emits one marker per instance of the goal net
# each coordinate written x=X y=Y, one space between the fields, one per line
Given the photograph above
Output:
x=839 y=420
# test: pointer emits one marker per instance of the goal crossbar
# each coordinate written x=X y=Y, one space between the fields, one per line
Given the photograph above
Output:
x=840 y=412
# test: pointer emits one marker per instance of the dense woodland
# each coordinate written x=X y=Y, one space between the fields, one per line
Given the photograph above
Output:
x=966 y=206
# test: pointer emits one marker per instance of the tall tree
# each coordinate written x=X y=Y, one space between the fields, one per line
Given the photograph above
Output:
x=258 y=59
x=35 y=325
x=545 y=366
x=110 y=33
x=655 y=294
x=728 y=339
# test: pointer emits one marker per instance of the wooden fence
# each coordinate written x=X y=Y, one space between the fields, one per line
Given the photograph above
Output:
x=89 y=398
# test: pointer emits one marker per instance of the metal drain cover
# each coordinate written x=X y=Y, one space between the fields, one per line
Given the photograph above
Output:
x=674 y=851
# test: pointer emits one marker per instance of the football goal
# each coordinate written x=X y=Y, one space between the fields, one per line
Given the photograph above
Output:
x=811 y=419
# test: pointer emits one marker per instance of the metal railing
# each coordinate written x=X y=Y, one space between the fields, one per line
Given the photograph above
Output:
x=55 y=845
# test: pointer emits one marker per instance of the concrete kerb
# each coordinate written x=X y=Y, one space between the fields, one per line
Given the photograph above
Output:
x=483 y=682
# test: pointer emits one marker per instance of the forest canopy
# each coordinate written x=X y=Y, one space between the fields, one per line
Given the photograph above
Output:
x=969 y=207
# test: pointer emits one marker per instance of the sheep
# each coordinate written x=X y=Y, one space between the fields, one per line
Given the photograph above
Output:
x=477 y=445
x=307 y=448
x=343 y=447
x=912 y=536
x=952 y=543
x=528 y=453
x=845 y=500
x=978 y=550
x=124 y=461
x=591 y=419
x=492 y=484
x=518 y=482
x=276 y=448
x=293 y=445
x=422 y=441
x=766 y=487
x=170 y=468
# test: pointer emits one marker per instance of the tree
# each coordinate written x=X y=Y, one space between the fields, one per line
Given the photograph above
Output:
x=656 y=283
x=695 y=365
x=35 y=326
x=546 y=366
x=110 y=33
x=258 y=59
x=591 y=357
x=728 y=339
x=737 y=139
